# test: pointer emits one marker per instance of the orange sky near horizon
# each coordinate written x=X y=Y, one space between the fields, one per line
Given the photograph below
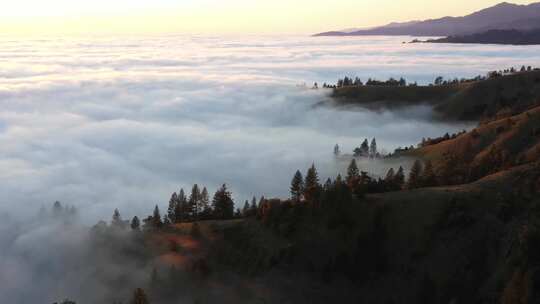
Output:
x=219 y=16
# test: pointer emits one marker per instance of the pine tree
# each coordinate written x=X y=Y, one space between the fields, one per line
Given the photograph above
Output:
x=415 y=175
x=139 y=297
x=204 y=203
x=193 y=202
x=245 y=210
x=156 y=218
x=311 y=184
x=337 y=151
x=171 y=211
x=373 y=148
x=57 y=209
x=179 y=213
x=297 y=187
x=117 y=219
x=365 y=148
x=353 y=173
x=135 y=224
x=223 y=204
x=253 y=207
x=390 y=175
x=166 y=221
x=429 y=179
x=399 y=178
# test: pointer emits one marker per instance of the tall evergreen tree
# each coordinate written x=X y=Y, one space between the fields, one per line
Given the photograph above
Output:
x=180 y=210
x=365 y=148
x=193 y=202
x=139 y=297
x=245 y=210
x=353 y=173
x=253 y=207
x=117 y=219
x=223 y=204
x=337 y=151
x=429 y=179
x=415 y=175
x=390 y=175
x=156 y=218
x=204 y=203
x=135 y=224
x=171 y=211
x=399 y=178
x=311 y=184
x=373 y=148
x=297 y=186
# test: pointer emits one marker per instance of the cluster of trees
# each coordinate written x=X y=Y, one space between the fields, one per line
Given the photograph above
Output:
x=359 y=182
x=357 y=82
x=492 y=74
x=367 y=150
x=184 y=209
x=402 y=82
x=433 y=141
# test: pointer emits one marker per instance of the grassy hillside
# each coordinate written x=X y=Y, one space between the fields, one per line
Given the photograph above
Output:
x=478 y=100
x=435 y=245
x=493 y=146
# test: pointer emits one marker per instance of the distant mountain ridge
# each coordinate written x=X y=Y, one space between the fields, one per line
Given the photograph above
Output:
x=503 y=16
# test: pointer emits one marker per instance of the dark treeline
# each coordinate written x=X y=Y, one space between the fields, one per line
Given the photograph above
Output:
x=348 y=81
x=433 y=141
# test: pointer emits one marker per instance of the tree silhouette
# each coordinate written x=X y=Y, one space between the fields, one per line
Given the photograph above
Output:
x=399 y=178
x=156 y=218
x=337 y=151
x=311 y=184
x=193 y=202
x=179 y=213
x=139 y=297
x=415 y=175
x=373 y=148
x=171 y=211
x=223 y=203
x=297 y=186
x=428 y=176
x=245 y=210
x=353 y=174
x=135 y=223
x=204 y=204
x=117 y=219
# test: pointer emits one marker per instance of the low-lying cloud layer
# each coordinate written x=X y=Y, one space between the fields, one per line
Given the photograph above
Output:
x=116 y=122
x=122 y=122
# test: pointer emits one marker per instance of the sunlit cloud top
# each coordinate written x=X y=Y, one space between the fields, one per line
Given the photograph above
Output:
x=218 y=16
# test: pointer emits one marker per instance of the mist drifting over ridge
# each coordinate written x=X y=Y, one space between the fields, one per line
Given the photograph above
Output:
x=109 y=123
x=103 y=123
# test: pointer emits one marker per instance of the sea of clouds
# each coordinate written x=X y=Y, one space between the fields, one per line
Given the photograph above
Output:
x=122 y=122
x=107 y=122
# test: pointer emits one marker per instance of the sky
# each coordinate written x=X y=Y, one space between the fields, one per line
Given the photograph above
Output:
x=218 y=16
